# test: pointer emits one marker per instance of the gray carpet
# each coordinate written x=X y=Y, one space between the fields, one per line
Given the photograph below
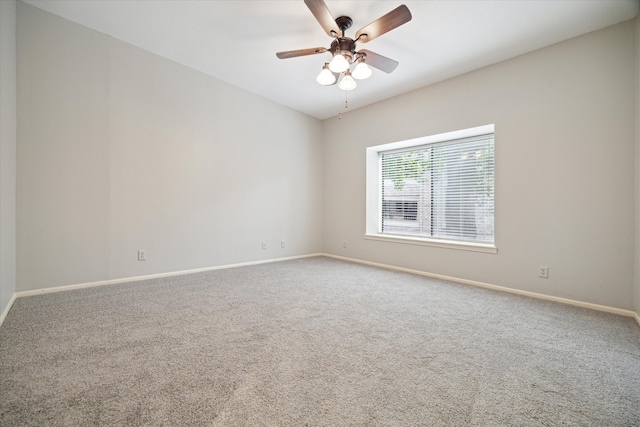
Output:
x=313 y=342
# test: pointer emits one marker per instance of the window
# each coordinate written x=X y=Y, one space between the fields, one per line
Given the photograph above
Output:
x=435 y=190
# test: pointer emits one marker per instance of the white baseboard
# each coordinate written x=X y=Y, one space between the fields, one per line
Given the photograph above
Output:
x=622 y=312
x=153 y=276
x=6 y=310
x=598 y=307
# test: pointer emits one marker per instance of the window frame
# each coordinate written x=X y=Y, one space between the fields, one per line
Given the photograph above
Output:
x=373 y=222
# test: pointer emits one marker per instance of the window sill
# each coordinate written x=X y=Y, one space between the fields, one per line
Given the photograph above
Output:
x=449 y=244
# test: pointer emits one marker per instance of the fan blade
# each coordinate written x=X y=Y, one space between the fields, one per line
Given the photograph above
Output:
x=380 y=62
x=300 y=52
x=398 y=16
x=320 y=10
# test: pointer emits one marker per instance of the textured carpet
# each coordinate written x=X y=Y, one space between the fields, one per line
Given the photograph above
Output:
x=313 y=342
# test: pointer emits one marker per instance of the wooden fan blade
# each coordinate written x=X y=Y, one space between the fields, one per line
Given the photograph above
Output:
x=300 y=52
x=320 y=10
x=398 y=16
x=380 y=62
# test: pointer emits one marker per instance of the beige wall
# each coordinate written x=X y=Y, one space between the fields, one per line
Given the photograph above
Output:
x=637 y=169
x=121 y=150
x=7 y=154
x=564 y=135
x=63 y=134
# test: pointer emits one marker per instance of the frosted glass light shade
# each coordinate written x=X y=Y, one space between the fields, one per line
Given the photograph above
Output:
x=362 y=71
x=339 y=64
x=326 y=77
x=347 y=82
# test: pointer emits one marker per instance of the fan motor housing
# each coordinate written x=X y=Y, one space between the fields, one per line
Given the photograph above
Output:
x=343 y=45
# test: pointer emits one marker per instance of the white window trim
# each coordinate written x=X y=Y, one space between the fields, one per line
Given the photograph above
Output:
x=373 y=171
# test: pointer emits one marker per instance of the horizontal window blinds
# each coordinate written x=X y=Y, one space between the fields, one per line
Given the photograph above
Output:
x=442 y=191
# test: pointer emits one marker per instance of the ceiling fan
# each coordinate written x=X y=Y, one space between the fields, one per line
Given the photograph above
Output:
x=343 y=48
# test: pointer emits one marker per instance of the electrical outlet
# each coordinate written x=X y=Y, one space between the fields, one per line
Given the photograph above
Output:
x=142 y=255
x=543 y=271
x=282 y=243
x=264 y=245
x=344 y=244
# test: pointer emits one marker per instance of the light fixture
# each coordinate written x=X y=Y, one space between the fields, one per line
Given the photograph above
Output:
x=347 y=82
x=362 y=71
x=326 y=77
x=339 y=63
x=343 y=49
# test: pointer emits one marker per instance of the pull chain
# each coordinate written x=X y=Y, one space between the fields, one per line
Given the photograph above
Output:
x=346 y=103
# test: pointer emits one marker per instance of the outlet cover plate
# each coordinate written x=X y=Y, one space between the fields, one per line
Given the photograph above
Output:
x=543 y=271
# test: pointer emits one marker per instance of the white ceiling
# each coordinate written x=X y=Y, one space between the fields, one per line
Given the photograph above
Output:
x=236 y=41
